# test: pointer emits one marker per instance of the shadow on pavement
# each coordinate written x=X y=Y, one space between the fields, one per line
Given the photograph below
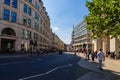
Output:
x=112 y=75
x=108 y=74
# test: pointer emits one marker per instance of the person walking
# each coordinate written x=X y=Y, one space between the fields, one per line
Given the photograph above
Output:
x=95 y=54
x=100 y=56
x=92 y=56
x=88 y=54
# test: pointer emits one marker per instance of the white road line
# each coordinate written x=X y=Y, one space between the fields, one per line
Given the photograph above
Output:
x=38 y=75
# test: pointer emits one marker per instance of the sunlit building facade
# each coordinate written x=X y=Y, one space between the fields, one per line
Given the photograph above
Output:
x=107 y=45
x=58 y=43
x=24 y=24
x=81 y=36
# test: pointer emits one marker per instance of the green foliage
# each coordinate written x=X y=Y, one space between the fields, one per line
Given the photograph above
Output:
x=103 y=17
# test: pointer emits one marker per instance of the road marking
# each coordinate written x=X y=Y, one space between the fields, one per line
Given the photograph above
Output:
x=42 y=74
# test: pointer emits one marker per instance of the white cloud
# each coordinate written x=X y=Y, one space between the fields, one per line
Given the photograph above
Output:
x=55 y=29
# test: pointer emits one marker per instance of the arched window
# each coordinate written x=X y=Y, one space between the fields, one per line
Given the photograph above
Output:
x=8 y=31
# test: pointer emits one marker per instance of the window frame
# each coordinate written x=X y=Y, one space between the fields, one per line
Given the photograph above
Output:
x=7 y=2
x=29 y=11
x=14 y=3
x=30 y=1
x=29 y=22
x=25 y=21
x=25 y=8
x=6 y=14
x=13 y=16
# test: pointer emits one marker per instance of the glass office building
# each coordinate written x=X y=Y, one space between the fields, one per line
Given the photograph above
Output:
x=81 y=37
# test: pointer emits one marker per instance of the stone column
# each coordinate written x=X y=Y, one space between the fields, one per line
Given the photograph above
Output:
x=17 y=44
x=104 y=46
x=112 y=45
x=99 y=44
x=117 y=49
x=94 y=45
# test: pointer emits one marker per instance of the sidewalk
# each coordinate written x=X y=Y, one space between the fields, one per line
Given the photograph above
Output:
x=111 y=69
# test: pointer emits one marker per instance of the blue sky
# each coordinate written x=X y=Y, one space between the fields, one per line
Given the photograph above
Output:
x=64 y=14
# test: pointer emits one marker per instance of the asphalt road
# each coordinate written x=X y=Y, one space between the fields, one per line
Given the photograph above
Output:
x=48 y=67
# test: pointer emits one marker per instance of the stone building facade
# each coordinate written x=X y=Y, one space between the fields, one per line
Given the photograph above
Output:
x=107 y=45
x=58 y=44
x=24 y=24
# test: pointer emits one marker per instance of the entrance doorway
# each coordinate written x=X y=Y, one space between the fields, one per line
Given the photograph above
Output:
x=7 y=45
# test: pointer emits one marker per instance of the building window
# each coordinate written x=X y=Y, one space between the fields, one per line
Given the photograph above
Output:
x=7 y=2
x=36 y=26
x=41 y=21
x=29 y=11
x=30 y=1
x=35 y=36
x=36 y=16
x=24 y=21
x=13 y=17
x=40 y=29
x=36 y=5
x=25 y=8
x=14 y=3
x=25 y=33
x=29 y=22
x=6 y=14
x=30 y=35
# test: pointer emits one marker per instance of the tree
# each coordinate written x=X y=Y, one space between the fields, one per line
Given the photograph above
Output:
x=103 y=17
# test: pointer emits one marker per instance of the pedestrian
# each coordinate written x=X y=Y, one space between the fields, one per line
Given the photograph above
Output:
x=95 y=54
x=108 y=54
x=100 y=56
x=75 y=52
x=114 y=55
x=88 y=54
x=13 y=50
x=92 y=55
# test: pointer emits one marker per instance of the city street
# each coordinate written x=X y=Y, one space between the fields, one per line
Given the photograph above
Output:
x=43 y=67
x=59 y=40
